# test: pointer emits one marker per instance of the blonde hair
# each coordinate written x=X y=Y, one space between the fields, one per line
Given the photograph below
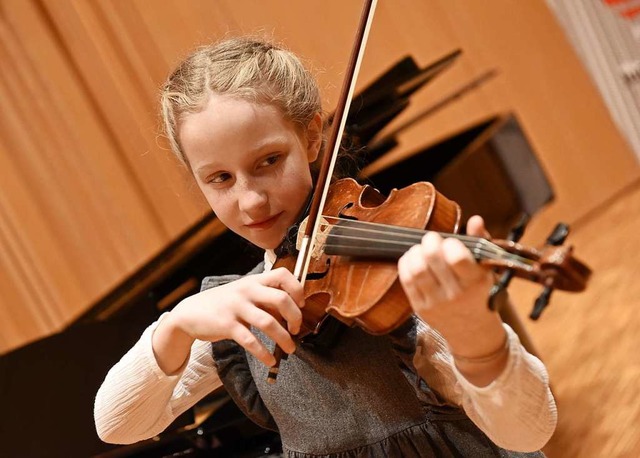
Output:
x=240 y=67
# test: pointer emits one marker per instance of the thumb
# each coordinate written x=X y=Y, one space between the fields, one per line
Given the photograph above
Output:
x=475 y=227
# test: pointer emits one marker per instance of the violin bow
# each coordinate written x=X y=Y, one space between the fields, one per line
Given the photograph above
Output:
x=329 y=160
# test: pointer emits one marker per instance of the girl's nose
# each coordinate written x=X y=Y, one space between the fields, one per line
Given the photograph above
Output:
x=252 y=199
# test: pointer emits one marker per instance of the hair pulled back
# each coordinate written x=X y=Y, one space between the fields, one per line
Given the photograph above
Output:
x=246 y=68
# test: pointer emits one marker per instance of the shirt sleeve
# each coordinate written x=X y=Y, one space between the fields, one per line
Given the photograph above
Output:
x=137 y=400
x=516 y=411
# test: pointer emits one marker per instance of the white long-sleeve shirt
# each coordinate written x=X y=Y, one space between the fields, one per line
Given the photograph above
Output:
x=137 y=400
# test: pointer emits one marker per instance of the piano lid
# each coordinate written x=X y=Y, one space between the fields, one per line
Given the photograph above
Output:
x=388 y=95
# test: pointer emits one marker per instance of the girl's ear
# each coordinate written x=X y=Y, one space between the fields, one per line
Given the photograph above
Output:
x=314 y=137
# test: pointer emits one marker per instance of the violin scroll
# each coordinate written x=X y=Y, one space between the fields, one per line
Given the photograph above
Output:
x=552 y=266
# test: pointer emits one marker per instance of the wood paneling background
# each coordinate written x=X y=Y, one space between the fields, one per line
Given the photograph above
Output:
x=87 y=193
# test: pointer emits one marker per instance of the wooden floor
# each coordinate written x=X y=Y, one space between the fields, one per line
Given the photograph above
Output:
x=590 y=342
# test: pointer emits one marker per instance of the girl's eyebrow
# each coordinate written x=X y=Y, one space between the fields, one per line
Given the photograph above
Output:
x=277 y=141
x=206 y=167
x=269 y=143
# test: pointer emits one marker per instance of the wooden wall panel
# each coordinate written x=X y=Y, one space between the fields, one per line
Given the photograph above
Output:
x=33 y=255
x=128 y=111
x=71 y=151
x=76 y=221
x=325 y=45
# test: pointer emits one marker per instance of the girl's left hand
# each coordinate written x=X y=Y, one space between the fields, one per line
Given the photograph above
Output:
x=449 y=290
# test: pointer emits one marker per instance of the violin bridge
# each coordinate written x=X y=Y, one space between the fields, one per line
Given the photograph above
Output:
x=321 y=237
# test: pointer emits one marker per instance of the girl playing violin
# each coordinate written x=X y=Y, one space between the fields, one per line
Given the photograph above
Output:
x=245 y=117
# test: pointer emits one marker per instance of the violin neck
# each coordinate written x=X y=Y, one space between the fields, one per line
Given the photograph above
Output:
x=380 y=241
x=361 y=239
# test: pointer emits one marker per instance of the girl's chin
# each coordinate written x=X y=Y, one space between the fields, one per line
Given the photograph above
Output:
x=270 y=243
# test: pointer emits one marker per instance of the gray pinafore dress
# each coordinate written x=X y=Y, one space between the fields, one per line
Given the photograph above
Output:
x=363 y=398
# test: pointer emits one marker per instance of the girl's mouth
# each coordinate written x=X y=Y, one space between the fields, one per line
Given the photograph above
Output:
x=266 y=224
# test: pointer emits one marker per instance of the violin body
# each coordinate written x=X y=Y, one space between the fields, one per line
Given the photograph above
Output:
x=359 y=290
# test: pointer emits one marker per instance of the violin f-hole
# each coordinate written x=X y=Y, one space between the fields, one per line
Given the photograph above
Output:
x=320 y=275
x=346 y=206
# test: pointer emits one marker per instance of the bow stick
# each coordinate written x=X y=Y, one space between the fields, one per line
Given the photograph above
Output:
x=328 y=161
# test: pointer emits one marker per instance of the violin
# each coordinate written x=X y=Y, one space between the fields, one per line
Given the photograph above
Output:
x=353 y=272
x=349 y=244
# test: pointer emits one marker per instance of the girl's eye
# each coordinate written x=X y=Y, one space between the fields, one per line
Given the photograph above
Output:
x=270 y=160
x=218 y=178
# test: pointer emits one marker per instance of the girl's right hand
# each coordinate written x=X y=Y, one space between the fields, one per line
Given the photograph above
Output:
x=264 y=301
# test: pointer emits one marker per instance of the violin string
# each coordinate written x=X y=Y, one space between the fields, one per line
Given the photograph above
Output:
x=400 y=247
x=478 y=246
x=412 y=235
x=481 y=248
x=399 y=230
x=386 y=228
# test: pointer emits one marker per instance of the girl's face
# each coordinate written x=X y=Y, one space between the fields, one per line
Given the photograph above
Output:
x=251 y=164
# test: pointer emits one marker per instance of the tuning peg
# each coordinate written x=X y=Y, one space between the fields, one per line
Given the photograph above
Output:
x=558 y=235
x=498 y=291
x=556 y=238
x=541 y=302
x=517 y=231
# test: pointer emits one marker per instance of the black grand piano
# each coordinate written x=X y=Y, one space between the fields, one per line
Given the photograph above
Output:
x=47 y=387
